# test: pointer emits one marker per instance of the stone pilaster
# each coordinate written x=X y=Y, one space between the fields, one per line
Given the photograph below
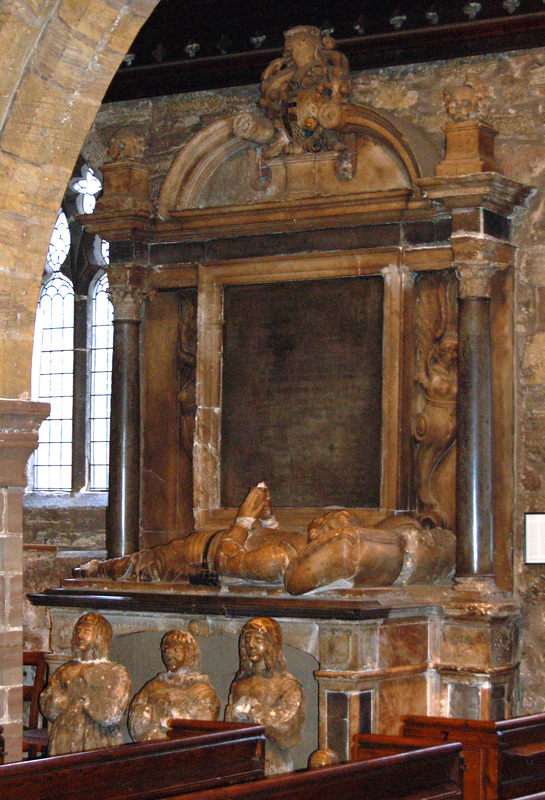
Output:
x=19 y=423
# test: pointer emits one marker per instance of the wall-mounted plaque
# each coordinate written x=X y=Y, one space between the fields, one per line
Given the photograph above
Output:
x=302 y=391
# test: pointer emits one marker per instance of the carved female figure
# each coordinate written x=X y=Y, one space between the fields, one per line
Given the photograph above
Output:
x=86 y=698
x=264 y=692
x=181 y=692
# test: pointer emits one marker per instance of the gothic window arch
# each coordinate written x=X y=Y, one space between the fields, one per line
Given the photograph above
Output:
x=72 y=350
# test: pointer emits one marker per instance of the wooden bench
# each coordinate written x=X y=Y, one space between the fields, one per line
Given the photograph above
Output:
x=430 y=774
x=218 y=755
x=503 y=760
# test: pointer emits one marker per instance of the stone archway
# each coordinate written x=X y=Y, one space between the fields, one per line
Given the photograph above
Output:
x=61 y=59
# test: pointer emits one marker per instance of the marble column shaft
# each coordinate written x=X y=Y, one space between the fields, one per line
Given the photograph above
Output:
x=123 y=512
x=474 y=513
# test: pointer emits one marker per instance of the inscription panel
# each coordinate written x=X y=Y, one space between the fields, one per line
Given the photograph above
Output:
x=302 y=391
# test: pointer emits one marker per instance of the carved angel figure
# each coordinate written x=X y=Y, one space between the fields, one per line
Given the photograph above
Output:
x=264 y=693
x=300 y=91
x=86 y=698
x=437 y=375
x=181 y=692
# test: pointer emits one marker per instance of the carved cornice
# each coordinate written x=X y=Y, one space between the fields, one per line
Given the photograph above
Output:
x=482 y=190
x=19 y=424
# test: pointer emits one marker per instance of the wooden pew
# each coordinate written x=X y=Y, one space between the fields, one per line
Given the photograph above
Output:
x=504 y=759
x=217 y=755
x=430 y=774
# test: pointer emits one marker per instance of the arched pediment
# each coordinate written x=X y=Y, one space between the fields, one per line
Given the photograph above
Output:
x=217 y=168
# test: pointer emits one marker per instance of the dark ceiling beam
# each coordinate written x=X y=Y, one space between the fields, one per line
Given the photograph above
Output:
x=433 y=43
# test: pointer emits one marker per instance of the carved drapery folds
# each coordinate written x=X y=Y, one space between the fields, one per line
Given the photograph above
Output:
x=437 y=381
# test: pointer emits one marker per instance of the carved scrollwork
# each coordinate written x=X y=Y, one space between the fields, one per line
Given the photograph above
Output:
x=302 y=93
x=437 y=378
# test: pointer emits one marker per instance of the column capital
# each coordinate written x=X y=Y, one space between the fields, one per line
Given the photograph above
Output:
x=127 y=301
x=128 y=289
x=476 y=258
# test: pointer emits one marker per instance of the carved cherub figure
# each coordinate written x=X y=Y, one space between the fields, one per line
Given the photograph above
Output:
x=181 y=692
x=263 y=692
x=87 y=696
x=466 y=101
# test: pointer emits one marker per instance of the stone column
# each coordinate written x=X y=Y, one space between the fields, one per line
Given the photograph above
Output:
x=19 y=423
x=123 y=512
x=474 y=517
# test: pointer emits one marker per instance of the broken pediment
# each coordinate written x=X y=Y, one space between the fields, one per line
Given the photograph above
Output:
x=304 y=140
x=218 y=168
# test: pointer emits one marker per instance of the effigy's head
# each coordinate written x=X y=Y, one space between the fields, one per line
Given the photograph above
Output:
x=91 y=637
x=333 y=524
x=301 y=43
x=180 y=652
x=261 y=643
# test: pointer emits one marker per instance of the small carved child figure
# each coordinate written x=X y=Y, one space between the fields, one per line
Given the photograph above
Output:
x=180 y=693
x=264 y=693
x=86 y=698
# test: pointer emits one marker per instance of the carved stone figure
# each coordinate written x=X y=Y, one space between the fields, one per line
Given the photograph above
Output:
x=127 y=144
x=87 y=697
x=338 y=547
x=464 y=102
x=437 y=375
x=300 y=96
x=263 y=692
x=181 y=692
